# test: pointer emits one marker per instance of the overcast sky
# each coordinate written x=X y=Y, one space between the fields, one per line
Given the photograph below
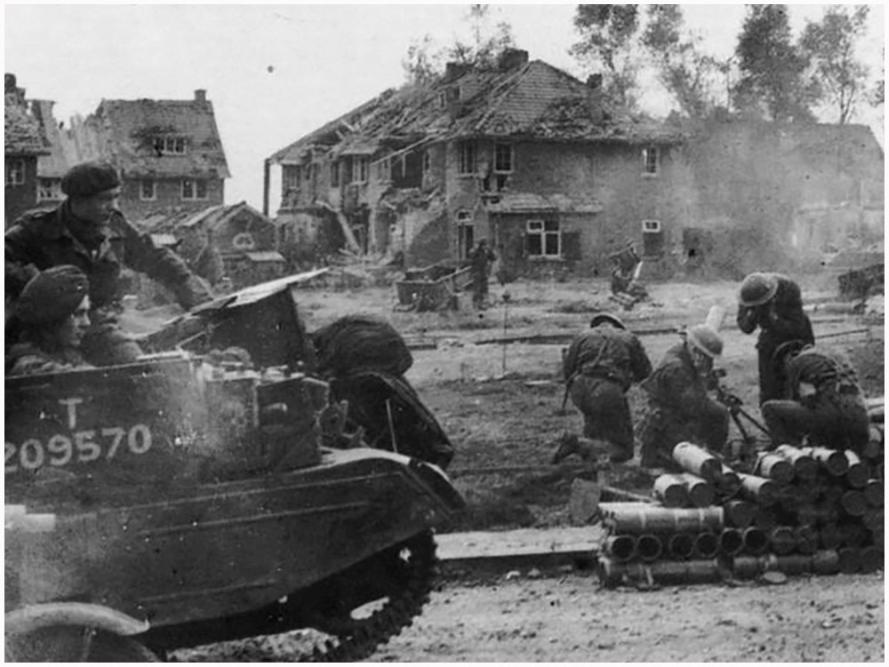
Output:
x=276 y=72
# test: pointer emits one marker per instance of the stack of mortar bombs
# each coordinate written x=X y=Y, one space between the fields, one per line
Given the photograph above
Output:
x=798 y=510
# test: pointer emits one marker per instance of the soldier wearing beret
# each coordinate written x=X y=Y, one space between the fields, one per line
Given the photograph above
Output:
x=89 y=232
x=53 y=316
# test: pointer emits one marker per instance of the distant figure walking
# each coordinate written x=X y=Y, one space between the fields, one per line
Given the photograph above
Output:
x=481 y=259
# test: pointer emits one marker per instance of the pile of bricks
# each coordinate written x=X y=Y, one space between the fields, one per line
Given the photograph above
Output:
x=798 y=510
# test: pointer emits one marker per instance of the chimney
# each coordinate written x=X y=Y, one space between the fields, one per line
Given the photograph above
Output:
x=512 y=58
x=200 y=95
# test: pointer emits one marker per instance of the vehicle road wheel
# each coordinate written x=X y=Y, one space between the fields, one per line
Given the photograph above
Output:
x=75 y=644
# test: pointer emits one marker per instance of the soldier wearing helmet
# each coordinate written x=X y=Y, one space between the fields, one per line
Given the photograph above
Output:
x=678 y=406
x=89 y=232
x=772 y=302
x=822 y=400
x=599 y=367
x=52 y=315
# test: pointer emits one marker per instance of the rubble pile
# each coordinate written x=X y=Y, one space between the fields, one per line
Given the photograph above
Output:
x=798 y=510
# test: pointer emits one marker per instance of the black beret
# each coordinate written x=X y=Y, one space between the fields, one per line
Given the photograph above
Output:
x=89 y=178
x=52 y=295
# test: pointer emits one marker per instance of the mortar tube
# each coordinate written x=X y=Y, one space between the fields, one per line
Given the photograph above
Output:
x=649 y=547
x=706 y=545
x=729 y=483
x=681 y=545
x=849 y=560
x=857 y=474
x=805 y=468
x=696 y=460
x=700 y=492
x=830 y=537
x=739 y=513
x=671 y=491
x=871 y=559
x=826 y=561
x=731 y=541
x=873 y=518
x=782 y=540
x=620 y=547
x=806 y=540
x=853 y=503
x=873 y=493
x=831 y=460
x=756 y=541
x=760 y=490
x=774 y=466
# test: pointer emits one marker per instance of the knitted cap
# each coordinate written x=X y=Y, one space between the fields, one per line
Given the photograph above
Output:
x=52 y=295
x=89 y=178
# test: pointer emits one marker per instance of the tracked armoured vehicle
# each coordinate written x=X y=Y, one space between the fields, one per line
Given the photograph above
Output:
x=176 y=502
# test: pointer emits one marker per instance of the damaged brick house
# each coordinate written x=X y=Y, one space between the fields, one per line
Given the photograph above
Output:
x=523 y=154
x=168 y=152
x=23 y=146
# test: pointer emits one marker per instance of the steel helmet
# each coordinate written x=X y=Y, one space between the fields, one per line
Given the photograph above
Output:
x=757 y=289
x=705 y=339
x=787 y=350
x=606 y=317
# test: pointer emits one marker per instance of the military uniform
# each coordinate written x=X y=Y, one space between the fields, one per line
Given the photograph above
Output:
x=599 y=367
x=834 y=416
x=678 y=409
x=42 y=239
x=28 y=359
x=480 y=261
x=788 y=322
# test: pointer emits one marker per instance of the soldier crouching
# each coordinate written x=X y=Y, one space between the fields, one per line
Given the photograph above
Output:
x=678 y=407
x=599 y=368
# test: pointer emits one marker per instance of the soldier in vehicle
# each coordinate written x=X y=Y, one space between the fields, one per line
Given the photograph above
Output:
x=52 y=314
x=679 y=408
x=89 y=232
x=480 y=262
x=772 y=302
x=822 y=400
x=600 y=366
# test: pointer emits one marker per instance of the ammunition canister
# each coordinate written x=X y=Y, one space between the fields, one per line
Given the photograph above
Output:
x=873 y=518
x=789 y=564
x=849 y=560
x=731 y=541
x=739 y=513
x=873 y=493
x=706 y=545
x=756 y=541
x=774 y=466
x=876 y=537
x=831 y=460
x=806 y=540
x=700 y=492
x=671 y=491
x=853 y=534
x=830 y=537
x=853 y=503
x=665 y=571
x=871 y=559
x=758 y=489
x=681 y=545
x=805 y=468
x=782 y=540
x=653 y=519
x=620 y=547
x=857 y=474
x=746 y=567
x=649 y=547
x=826 y=561
x=729 y=483
x=765 y=518
x=696 y=460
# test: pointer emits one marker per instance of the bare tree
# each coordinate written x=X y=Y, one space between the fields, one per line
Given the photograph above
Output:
x=830 y=47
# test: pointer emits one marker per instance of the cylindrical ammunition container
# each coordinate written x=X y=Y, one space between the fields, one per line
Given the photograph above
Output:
x=671 y=491
x=826 y=561
x=876 y=537
x=765 y=518
x=782 y=540
x=830 y=537
x=706 y=545
x=857 y=474
x=731 y=541
x=756 y=541
x=762 y=491
x=806 y=515
x=831 y=460
x=873 y=493
x=805 y=468
x=620 y=547
x=874 y=447
x=746 y=567
x=611 y=573
x=850 y=560
x=774 y=466
x=789 y=498
x=700 y=492
x=651 y=519
x=830 y=495
x=696 y=460
x=649 y=547
x=789 y=564
x=873 y=518
x=826 y=513
x=871 y=559
x=729 y=484
x=806 y=540
x=681 y=545
x=739 y=513
x=853 y=503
